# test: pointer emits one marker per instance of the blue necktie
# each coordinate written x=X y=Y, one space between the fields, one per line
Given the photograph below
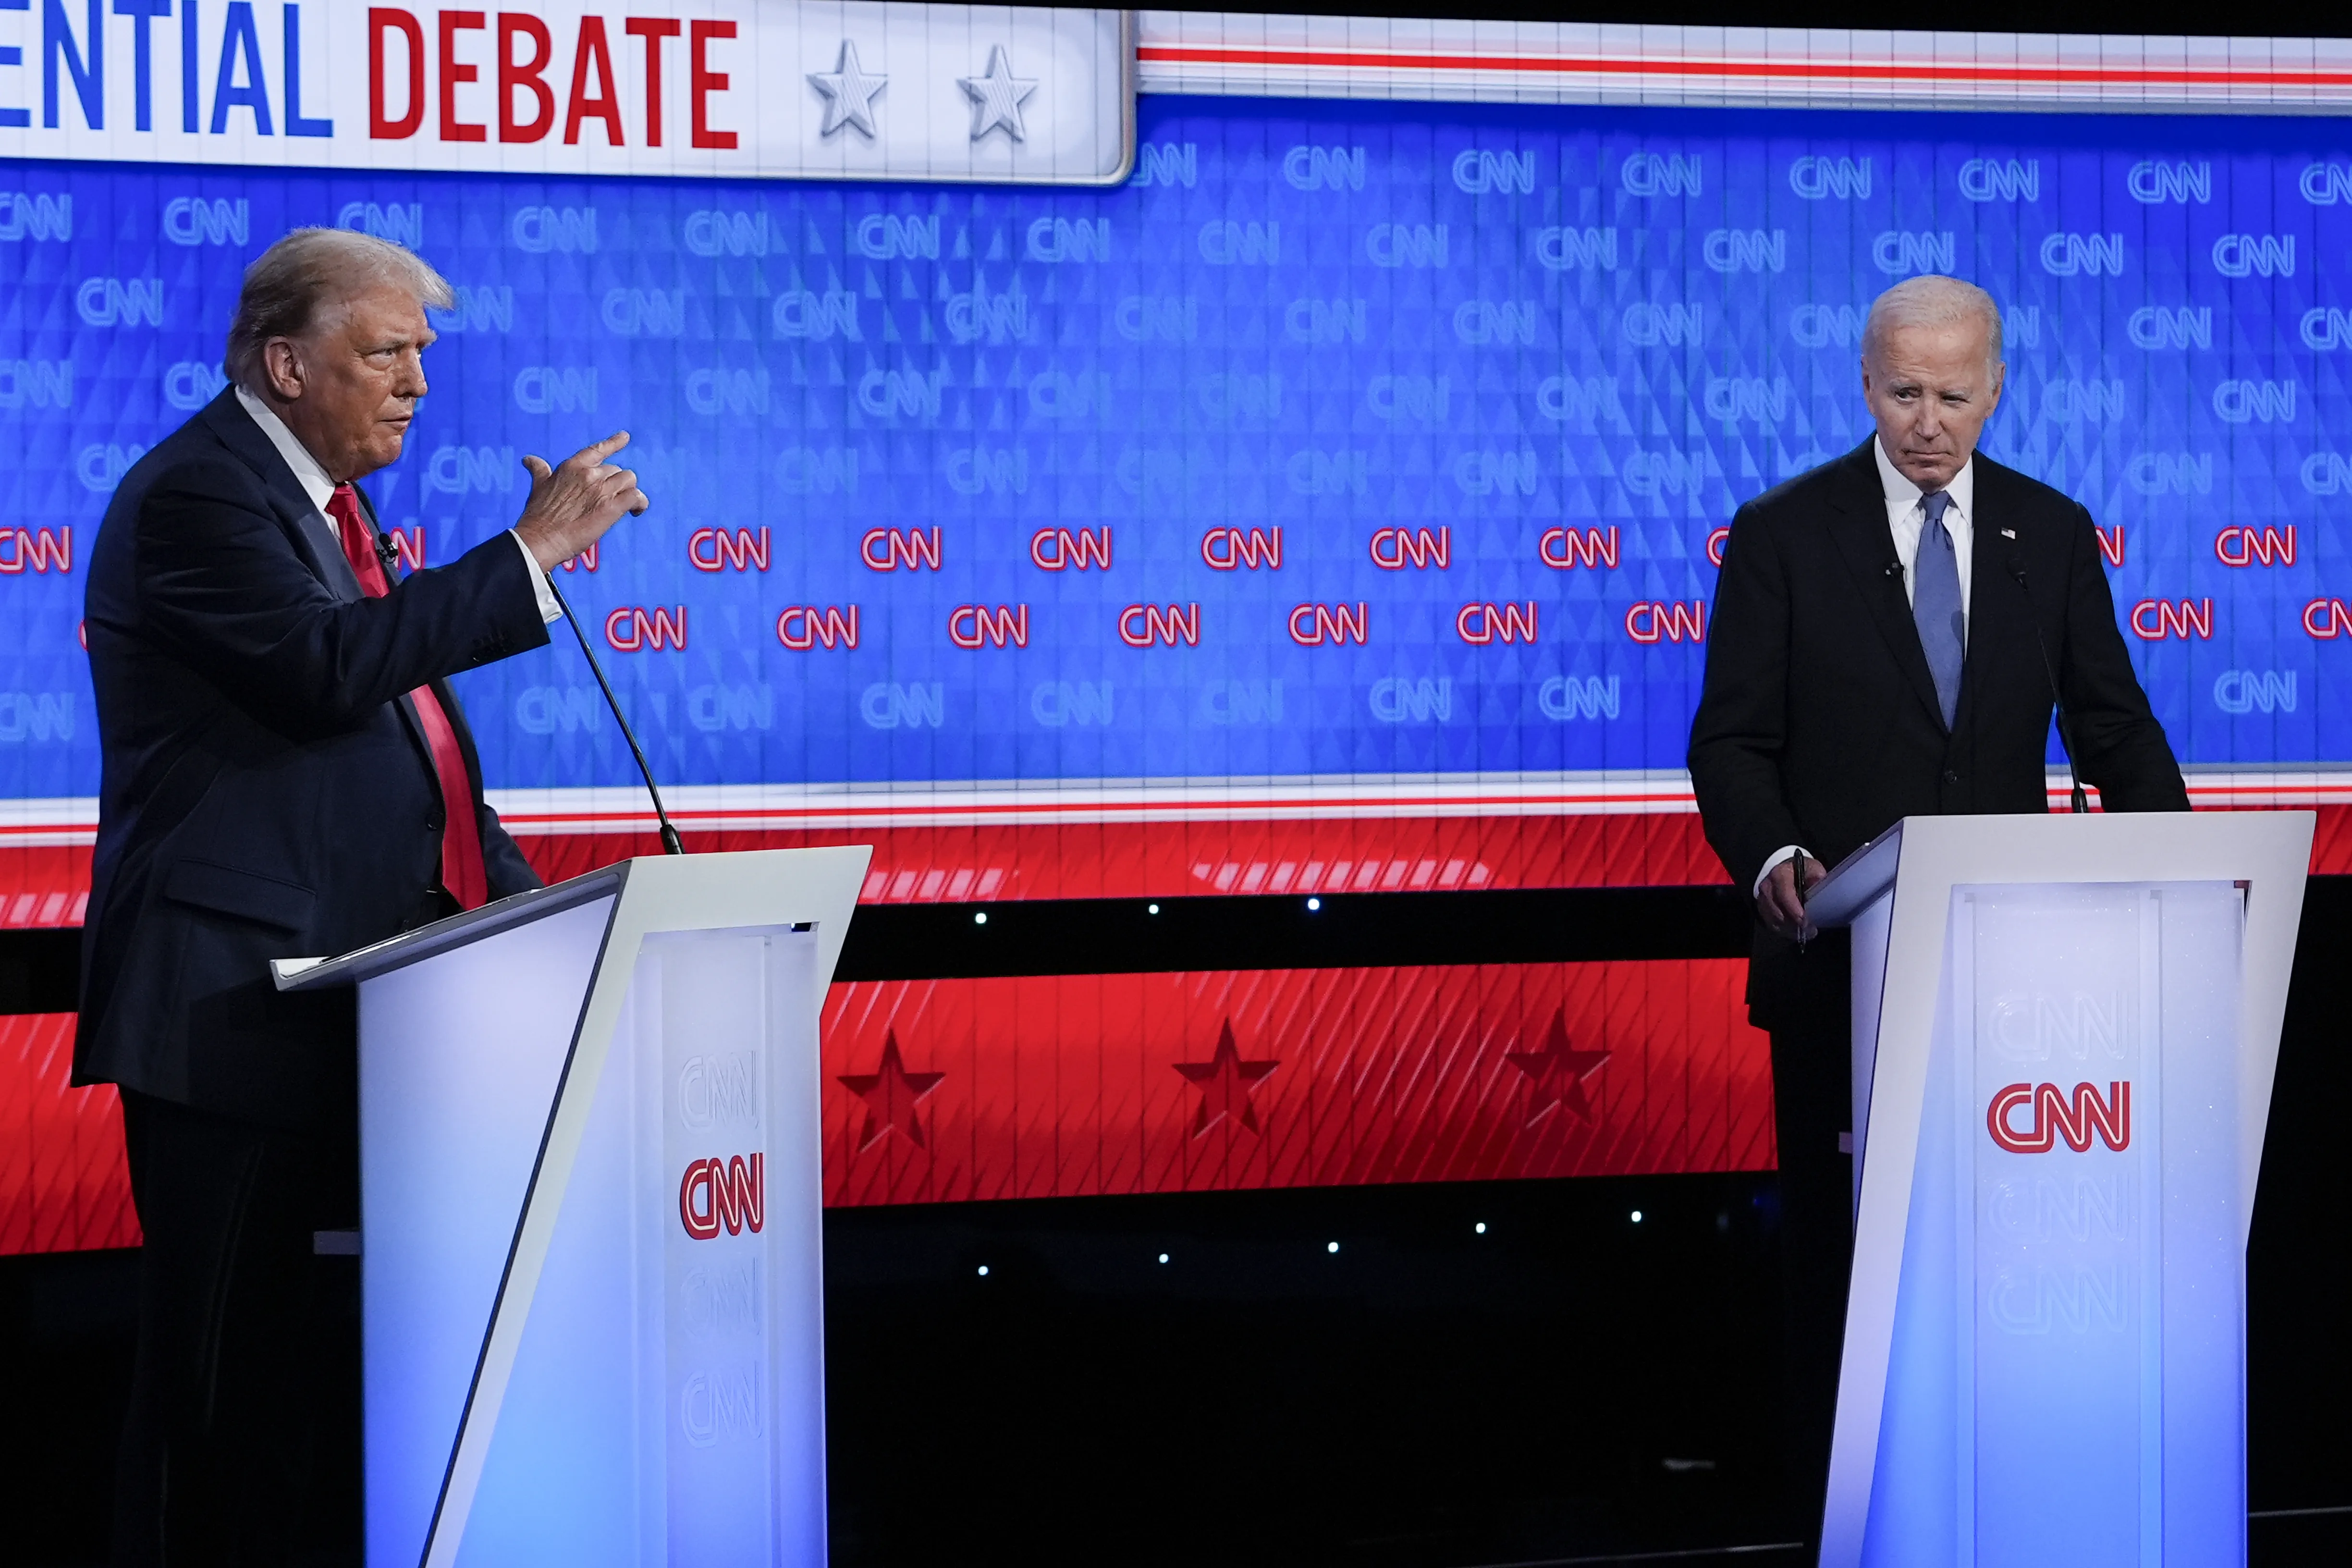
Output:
x=1935 y=604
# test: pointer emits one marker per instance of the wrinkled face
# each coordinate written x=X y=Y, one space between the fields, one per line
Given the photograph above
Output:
x=349 y=388
x=1931 y=389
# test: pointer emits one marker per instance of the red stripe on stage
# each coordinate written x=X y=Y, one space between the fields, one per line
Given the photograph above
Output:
x=63 y=1183
x=942 y=1090
x=1682 y=70
x=1146 y=859
x=48 y=886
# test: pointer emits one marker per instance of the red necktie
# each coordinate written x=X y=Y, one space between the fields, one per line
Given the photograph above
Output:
x=461 y=839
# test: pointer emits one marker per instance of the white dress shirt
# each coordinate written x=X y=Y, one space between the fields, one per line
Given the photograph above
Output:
x=1906 y=514
x=313 y=477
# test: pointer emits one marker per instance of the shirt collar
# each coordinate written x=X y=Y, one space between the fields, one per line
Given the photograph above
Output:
x=308 y=473
x=1900 y=492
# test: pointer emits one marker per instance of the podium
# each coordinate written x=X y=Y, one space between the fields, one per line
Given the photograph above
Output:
x=2064 y=1033
x=591 y=1217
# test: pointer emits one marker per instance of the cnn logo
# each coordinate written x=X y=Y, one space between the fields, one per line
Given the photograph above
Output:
x=731 y=1193
x=2055 y=1115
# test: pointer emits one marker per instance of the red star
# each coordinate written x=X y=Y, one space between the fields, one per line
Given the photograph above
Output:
x=890 y=1095
x=1556 y=1074
x=1224 y=1081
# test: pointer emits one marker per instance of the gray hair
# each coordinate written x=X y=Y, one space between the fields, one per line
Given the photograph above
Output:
x=290 y=285
x=1933 y=301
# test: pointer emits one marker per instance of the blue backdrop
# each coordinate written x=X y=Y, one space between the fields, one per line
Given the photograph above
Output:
x=1565 y=342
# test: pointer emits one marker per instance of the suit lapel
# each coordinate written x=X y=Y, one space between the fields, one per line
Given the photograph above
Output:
x=235 y=429
x=1990 y=579
x=237 y=432
x=1858 y=524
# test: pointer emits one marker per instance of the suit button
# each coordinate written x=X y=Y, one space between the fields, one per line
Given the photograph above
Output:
x=1951 y=777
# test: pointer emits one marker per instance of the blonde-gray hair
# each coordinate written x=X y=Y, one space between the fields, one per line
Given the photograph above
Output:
x=289 y=283
x=1933 y=301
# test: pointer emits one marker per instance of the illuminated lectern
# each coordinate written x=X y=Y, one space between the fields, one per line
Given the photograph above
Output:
x=591 y=1217
x=2064 y=1031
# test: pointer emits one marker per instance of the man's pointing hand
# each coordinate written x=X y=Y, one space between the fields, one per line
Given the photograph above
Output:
x=573 y=503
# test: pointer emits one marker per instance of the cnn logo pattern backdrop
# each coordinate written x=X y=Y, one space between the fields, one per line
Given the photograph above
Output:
x=1343 y=439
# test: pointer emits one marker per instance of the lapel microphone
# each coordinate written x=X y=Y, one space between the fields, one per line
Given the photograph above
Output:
x=386 y=552
x=2016 y=566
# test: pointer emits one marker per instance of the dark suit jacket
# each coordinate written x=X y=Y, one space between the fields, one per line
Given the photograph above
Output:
x=266 y=791
x=1818 y=724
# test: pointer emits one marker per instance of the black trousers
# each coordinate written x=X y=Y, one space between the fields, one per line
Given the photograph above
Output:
x=1812 y=1097
x=242 y=1442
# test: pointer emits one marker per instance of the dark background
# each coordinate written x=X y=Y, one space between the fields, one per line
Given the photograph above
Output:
x=1569 y=1385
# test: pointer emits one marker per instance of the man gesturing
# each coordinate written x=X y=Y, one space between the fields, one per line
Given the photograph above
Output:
x=286 y=772
x=1873 y=655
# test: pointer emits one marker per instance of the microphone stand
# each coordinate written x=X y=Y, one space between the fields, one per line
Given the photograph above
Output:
x=670 y=842
x=2049 y=673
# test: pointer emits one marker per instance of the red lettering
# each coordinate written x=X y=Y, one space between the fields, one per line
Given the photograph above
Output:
x=37 y=551
x=592 y=50
x=2153 y=620
x=910 y=548
x=1653 y=620
x=734 y=548
x=2333 y=615
x=381 y=125
x=701 y=1219
x=1336 y=625
x=976 y=625
x=1416 y=547
x=453 y=74
x=2111 y=543
x=653 y=30
x=2038 y=1139
x=1057 y=549
x=730 y=1192
x=2269 y=547
x=631 y=628
x=1509 y=622
x=1717 y=538
x=743 y=1195
x=1562 y=547
x=1223 y=548
x=662 y=630
x=527 y=76
x=828 y=627
x=586 y=558
x=2076 y=1118
x=1147 y=625
x=702 y=81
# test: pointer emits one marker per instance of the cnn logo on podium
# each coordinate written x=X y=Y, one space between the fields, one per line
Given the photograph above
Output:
x=2055 y=1115
x=731 y=1193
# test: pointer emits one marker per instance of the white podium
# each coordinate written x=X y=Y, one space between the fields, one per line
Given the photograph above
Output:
x=2064 y=1032
x=591 y=1217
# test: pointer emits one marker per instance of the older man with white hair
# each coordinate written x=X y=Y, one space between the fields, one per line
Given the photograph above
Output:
x=1873 y=655
x=285 y=771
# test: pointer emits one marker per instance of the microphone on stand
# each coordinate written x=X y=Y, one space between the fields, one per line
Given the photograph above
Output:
x=670 y=842
x=2050 y=674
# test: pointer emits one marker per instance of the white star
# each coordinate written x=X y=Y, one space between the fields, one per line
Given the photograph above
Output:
x=996 y=98
x=848 y=93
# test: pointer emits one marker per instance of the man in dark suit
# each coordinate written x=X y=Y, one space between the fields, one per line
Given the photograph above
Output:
x=286 y=772
x=1873 y=655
